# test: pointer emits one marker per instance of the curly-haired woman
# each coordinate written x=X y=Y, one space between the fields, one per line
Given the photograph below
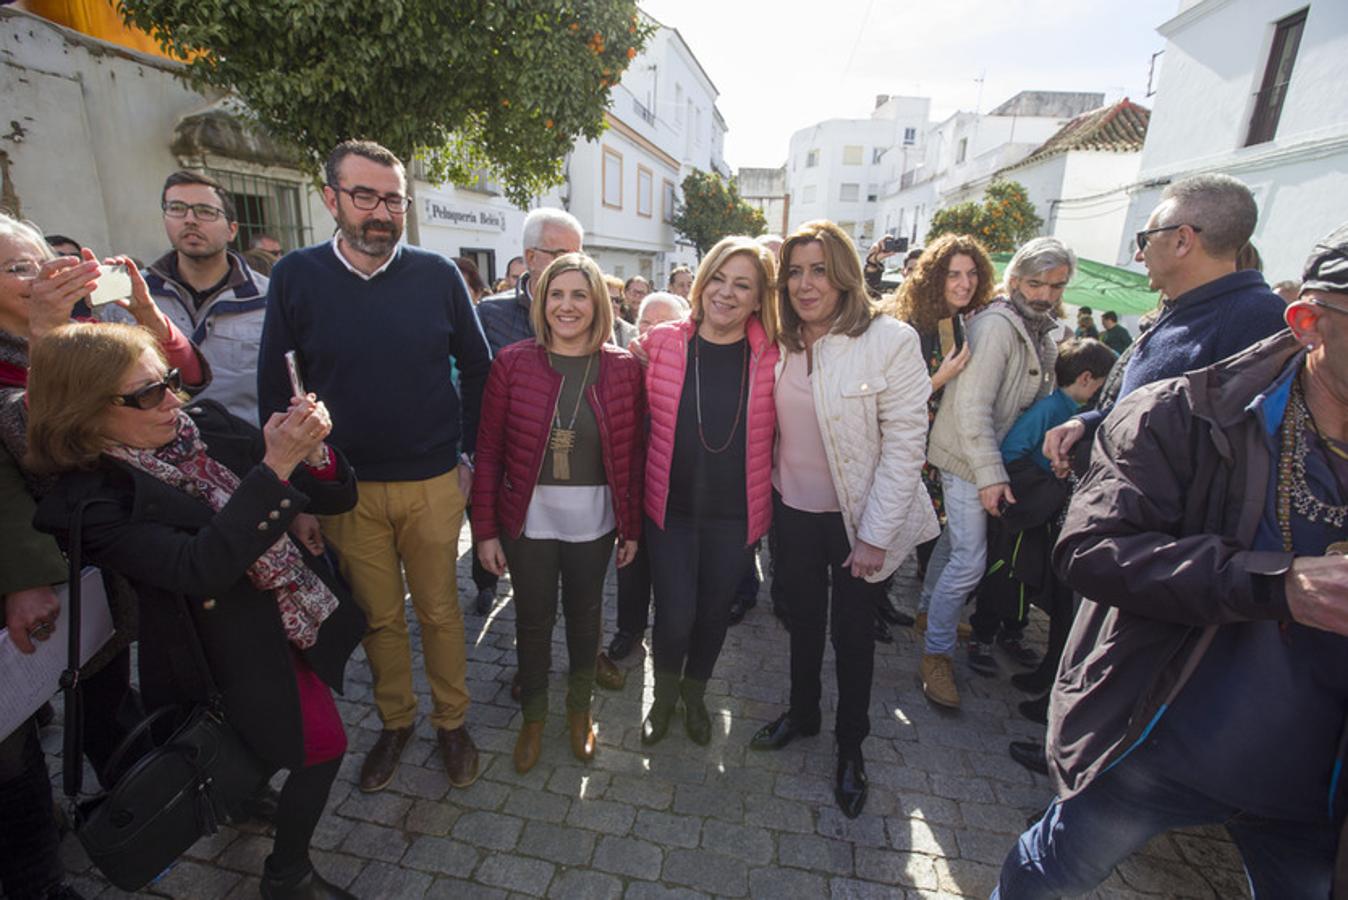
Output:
x=951 y=280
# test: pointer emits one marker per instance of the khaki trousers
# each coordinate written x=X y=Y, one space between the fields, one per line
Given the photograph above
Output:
x=408 y=528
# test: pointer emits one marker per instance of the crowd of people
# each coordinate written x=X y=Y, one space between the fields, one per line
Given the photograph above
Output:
x=273 y=462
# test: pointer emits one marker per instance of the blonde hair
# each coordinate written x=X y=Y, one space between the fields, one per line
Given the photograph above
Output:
x=73 y=376
x=613 y=283
x=842 y=267
x=765 y=263
x=601 y=326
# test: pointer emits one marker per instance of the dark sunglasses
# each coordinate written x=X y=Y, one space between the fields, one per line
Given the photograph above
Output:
x=1145 y=235
x=151 y=395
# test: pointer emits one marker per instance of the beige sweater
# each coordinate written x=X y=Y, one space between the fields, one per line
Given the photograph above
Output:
x=1004 y=377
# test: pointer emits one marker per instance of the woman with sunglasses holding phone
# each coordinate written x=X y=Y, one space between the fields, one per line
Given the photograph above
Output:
x=192 y=506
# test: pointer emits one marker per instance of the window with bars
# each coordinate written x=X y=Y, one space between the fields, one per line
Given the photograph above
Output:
x=1277 y=75
x=266 y=206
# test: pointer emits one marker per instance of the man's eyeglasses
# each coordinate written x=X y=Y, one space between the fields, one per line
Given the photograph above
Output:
x=176 y=209
x=552 y=252
x=365 y=200
x=150 y=396
x=1145 y=234
x=1316 y=301
x=22 y=268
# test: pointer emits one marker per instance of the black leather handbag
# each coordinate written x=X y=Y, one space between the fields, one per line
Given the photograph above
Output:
x=177 y=791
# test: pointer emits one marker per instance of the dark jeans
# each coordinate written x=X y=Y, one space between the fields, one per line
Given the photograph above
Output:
x=303 y=797
x=29 y=840
x=696 y=564
x=1079 y=841
x=987 y=624
x=812 y=547
x=535 y=567
x=634 y=593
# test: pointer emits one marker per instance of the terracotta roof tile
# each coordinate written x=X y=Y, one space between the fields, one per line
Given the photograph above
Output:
x=1120 y=128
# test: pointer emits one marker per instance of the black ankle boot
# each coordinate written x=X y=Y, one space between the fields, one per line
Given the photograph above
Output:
x=696 y=719
x=305 y=884
x=656 y=725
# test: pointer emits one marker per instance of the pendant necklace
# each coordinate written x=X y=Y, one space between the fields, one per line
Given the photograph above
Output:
x=562 y=440
x=697 y=384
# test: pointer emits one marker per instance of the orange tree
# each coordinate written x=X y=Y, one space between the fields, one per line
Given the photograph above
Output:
x=1003 y=221
x=466 y=86
x=711 y=209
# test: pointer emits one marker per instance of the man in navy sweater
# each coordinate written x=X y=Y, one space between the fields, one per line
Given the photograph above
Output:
x=375 y=325
x=1213 y=311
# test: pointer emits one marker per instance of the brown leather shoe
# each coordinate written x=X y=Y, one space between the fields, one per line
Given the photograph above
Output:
x=581 y=727
x=460 y=754
x=607 y=674
x=377 y=770
x=528 y=746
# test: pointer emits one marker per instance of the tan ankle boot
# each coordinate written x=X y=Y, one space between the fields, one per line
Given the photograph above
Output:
x=938 y=680
x=528 y=746
x=581 y=728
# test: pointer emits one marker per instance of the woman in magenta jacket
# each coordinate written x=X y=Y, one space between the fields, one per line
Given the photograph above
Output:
x=558 y=476
x=709 y=472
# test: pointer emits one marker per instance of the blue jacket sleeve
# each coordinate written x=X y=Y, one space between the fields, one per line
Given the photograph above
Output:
x=1026 y=436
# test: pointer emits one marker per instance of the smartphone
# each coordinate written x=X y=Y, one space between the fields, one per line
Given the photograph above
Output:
x=293 y=367
x=114 y=283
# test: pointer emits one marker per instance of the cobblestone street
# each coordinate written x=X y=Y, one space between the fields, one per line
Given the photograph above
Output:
x=683 y=821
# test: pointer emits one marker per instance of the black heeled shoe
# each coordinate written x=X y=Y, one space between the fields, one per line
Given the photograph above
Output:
x=849 y=789
x=778 y=733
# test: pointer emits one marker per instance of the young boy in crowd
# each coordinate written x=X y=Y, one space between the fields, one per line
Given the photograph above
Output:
x=1020 y=540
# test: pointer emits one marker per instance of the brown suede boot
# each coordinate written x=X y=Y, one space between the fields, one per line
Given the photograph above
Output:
x=581 y=728
x=528 y=746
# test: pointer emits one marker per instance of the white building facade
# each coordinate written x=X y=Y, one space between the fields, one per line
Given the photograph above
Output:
x=1255 y=89
x=961 y=155
x=837 y=168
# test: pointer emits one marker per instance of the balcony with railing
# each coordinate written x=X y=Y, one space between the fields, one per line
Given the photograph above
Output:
x=641 y=110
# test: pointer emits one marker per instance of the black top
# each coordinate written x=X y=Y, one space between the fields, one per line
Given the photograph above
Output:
x=704 y=484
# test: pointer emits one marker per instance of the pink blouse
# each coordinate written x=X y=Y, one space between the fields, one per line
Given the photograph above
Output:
x=800 y=470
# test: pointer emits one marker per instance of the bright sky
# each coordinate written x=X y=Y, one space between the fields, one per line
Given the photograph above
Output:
x=783 y=65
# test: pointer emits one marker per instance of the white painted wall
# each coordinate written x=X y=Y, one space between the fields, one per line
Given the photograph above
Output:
x=1214 y=62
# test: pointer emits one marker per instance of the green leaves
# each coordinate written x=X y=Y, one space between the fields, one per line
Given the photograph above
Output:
x=712 y=209
x=466 y=85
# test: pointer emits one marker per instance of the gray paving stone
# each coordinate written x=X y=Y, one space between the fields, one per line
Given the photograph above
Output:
x=866 y=829
x=983 y=846
x=537 y=806
x=894 y=868
x=635 y=790
x=667 y=829
x=646 y=890
x=441 y=856
x=629 y=856
x=579 y=885
x=809 y=851
x=571 y=781
x=697 y=800
x=431 y=817
x=556 y=843
x=196 y=880
x=707 y=871
x=339 y=868
x=966 y=877
x=778 y=813
x=457 y=889
x=775 y=882
x=384 y=808
x=488 y=830
x=517 y=873
x=752 y=845
x=382 y=880
x=852 y=889
x=371 y=841
x=602 y=815
x=991 y=817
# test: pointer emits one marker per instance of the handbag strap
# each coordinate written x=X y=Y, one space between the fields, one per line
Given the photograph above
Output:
x=72 y=752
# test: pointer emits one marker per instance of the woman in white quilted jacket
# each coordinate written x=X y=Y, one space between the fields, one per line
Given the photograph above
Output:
x=848 y=501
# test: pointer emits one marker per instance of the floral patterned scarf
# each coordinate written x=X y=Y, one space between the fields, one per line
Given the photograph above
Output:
x=304 y=600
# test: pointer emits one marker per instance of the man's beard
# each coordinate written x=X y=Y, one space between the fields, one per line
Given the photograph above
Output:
x=1038 y=308
x=373 y=238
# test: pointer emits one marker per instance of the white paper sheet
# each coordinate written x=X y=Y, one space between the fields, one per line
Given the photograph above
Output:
x=29 y=680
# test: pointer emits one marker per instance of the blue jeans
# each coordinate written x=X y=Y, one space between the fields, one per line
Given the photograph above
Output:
x=1079 y=841
x=948 y=586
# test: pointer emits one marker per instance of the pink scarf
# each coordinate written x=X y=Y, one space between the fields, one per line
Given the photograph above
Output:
x=304 y=600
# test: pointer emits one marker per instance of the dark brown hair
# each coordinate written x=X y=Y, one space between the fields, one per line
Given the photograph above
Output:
x=183 y=176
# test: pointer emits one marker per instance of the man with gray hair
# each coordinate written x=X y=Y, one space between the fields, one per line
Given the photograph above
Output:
x=1213 y=310
x=548 y=233
x=1011 y=366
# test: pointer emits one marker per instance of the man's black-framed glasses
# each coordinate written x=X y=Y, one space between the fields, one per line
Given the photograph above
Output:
x=176 y=209
x=1316 y=301
x=366 y=200
x=150 y=396
x=1145 y=234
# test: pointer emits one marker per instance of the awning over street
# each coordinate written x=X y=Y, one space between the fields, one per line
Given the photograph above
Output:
x=1102 y=287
